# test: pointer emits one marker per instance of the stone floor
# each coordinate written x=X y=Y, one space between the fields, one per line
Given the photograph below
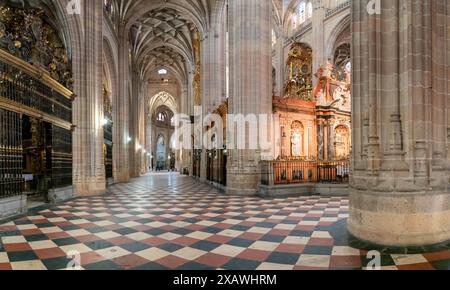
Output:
x=165 y=221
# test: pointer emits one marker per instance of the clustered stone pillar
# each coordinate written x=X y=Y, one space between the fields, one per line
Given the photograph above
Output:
x=278 y=82
x=399 y=192
x=213 y=64
x=250 y=83
x=135 y=147
x=121 y=130
x=319 y=41
x=186 y=158
x=142 y=129
x=213 y=69
x=88 y=163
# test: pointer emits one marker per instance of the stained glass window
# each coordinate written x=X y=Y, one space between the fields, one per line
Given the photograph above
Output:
x=309 y=10
x=302 y=13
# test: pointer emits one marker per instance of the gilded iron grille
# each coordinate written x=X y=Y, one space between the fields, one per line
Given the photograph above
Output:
x=11 y=181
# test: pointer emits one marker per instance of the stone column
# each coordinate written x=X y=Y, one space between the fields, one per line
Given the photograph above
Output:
x=330 y=141
x=121 y=128
x=320 y=140
x=399 y=192
x=148 y=136
x=250 y=83
x=143 y=153
x=280 y=66
x=135 y=147
x=213 y=72
x=203 y=165
x=318 y=30
x=88 y=164
x=213 y=64
x=186 y=153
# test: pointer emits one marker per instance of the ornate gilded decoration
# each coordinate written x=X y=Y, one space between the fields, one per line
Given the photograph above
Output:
x=299 y=70
x=322 y=93
x=197 y=72
x=52 y=102
x=25 y=33
x=314 y=124
x=333 y=87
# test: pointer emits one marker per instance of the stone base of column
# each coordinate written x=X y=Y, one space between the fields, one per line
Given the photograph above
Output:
x=121 y=178
x=12 y=206
x=242 y=183
x=60 y=194
x=90 y=188
x=400 y=219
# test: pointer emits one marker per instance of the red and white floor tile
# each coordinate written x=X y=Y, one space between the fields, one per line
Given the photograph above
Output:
x=166 y=221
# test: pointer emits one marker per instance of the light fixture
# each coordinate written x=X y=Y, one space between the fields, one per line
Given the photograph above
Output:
x=105 y=122
x=162 y=72
x=129 y=139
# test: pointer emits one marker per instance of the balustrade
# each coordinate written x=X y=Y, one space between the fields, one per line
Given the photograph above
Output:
x=298 y=172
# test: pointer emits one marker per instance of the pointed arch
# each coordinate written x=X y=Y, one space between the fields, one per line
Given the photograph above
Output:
x=163 y=98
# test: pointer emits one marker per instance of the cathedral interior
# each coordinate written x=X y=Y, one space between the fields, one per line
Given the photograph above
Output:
x=225 y=134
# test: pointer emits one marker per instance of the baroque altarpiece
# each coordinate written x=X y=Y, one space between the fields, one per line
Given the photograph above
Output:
x=315 y=116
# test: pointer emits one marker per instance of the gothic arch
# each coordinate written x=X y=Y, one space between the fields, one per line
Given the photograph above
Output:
x=277 y=18
x=110 y=69
x=162 y=99
x=334 y=40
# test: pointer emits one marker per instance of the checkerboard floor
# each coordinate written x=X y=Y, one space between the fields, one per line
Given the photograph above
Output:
x=166 y=221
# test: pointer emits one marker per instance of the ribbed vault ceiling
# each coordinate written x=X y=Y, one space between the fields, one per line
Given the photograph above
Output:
x=162 y=31
x=163 y=37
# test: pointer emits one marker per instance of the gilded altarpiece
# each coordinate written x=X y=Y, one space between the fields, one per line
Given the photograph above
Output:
x=333 y=97
x=299 y=72
x=315 y=121
x=35 y=104
x=298 y=128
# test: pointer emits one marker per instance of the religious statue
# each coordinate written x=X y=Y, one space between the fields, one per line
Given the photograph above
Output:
x=333 y=87
x=322 y=92
x=296 y=141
